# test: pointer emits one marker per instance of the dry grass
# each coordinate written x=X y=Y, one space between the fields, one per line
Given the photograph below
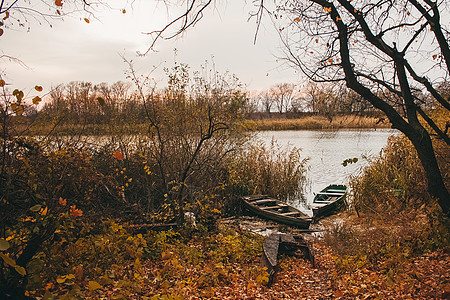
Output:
x=317 y=122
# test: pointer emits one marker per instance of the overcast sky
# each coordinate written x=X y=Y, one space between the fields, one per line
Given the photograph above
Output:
x=73 y=50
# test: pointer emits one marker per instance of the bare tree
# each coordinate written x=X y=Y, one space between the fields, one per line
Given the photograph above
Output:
x=266 y=100
x=282 y=95
x=398 y=47
x=21 y=14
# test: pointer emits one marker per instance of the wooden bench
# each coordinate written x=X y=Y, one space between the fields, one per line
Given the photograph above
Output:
x=274 y=207
x=291 y=213
x=262 y=201
x=330 y=194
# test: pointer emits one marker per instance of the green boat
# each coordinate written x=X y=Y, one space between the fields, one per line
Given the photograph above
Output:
x=276 y=210
x=329 y=200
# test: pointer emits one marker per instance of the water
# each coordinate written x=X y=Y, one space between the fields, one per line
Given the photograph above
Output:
x=327 y=150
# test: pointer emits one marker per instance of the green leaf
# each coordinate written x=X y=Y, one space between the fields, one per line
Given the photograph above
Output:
x=4 y=245
x=94 y=285
x=36 y=208
x=101 y=101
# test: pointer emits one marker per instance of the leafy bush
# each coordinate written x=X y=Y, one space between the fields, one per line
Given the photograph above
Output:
x=395 y=181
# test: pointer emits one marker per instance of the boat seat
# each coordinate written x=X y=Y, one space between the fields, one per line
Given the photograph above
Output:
x=330 y=194
x=291 y=213
x=336 y=191
x=274 y=207
x=262 y=201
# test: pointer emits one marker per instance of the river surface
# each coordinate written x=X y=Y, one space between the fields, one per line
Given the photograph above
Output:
x=327 y=151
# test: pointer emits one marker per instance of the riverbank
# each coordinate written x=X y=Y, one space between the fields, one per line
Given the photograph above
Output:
x=42 y=127
x=225 y=265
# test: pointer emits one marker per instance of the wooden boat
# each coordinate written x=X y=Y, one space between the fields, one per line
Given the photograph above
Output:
x=277 y=211
x=329 y=200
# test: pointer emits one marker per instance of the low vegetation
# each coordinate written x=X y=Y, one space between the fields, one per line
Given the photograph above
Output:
x=318 y=123
x=84 y=217
x=398 y=239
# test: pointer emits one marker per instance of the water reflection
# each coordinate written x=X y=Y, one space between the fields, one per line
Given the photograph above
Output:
x=327 y=151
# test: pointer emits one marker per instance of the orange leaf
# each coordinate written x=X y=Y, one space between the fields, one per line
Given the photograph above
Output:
x=38 y=88
x=75 y=212
x=6 y=15
x=338 y=294
x=124 y=11
x=297 y=19
x=1 y=32
x=58 y=3
x=79 y=273
x=87 y=20
x=19 y=110
x=62 y=201
x=58 y=12
x=2 y=83
x=118 y=155
x=44 y=211
x=36 y=100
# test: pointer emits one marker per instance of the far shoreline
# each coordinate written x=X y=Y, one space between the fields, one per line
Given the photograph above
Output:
x=317 y=123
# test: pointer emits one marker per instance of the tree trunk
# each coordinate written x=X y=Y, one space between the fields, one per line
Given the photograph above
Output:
x=436 y=187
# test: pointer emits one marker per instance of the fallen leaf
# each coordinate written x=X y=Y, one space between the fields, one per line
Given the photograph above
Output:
x=94 y=285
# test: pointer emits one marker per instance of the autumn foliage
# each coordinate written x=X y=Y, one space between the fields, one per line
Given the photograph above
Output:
x=77 y=211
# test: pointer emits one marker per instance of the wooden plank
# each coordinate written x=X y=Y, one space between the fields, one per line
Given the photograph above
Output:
x=330 y=194
x=271 y=207
x=336 y=191
x=263 y=201
x=291 y=213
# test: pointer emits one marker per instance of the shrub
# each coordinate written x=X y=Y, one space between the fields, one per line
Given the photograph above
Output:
x=395 y=181
x=268 y=170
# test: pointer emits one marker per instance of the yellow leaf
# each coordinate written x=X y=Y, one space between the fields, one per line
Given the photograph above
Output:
x=61 y=279
x=94 y=285
x=297 y=19
x=87 y=20
x=2 y=83
x=37 y=207
x=20 y=270
x=4 y=245
x=8 y=260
